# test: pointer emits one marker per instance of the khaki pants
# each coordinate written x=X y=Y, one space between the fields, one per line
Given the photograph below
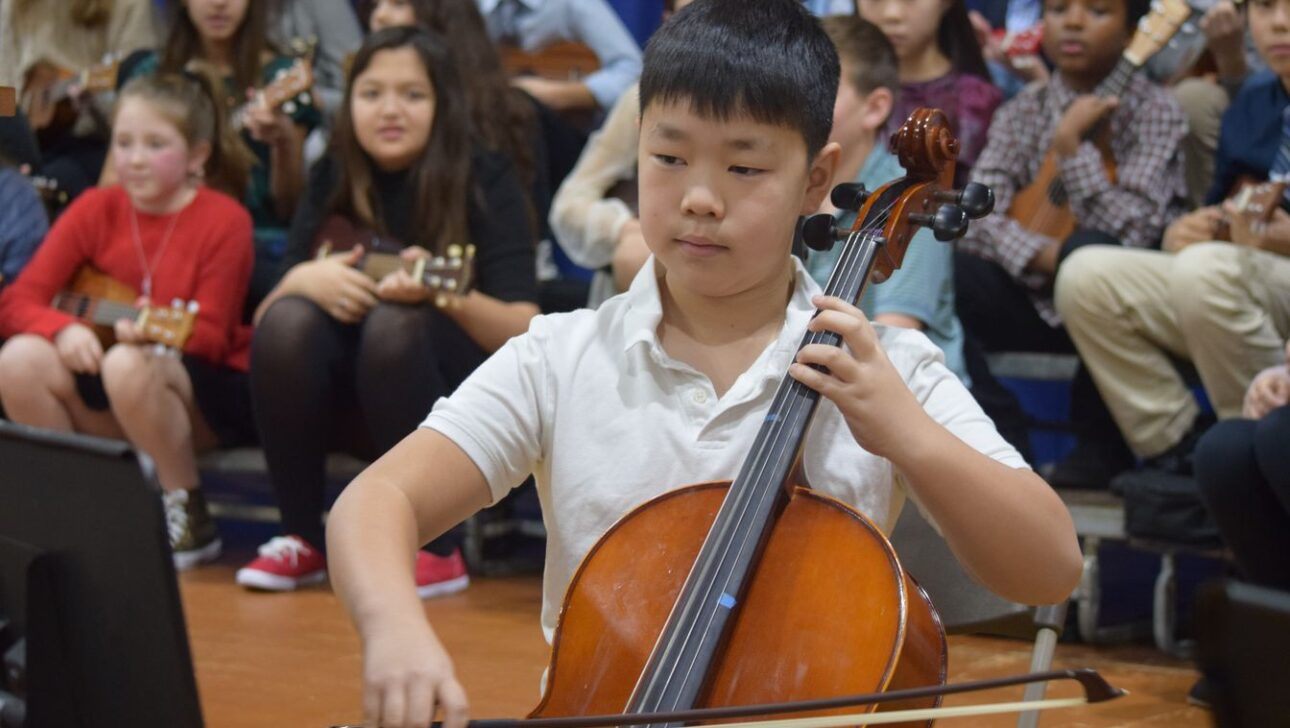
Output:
x=1223 y=307
x=1204 y=102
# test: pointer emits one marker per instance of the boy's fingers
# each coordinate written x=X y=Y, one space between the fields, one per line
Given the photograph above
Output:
x=452 y=701
x=371 y=706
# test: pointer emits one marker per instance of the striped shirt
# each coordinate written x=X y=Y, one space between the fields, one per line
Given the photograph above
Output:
x=1147 y=129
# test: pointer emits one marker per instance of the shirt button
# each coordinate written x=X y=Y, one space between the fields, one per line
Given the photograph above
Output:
x=699 y=396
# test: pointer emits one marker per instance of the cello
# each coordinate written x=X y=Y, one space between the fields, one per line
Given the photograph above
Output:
x=761 y=591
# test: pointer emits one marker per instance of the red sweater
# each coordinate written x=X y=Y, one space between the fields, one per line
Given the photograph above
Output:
x=208 y=260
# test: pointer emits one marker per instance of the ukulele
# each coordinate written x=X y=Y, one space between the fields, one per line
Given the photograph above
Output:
x=563 y=61
x=51 y=193
x=46 y=96
x=1256 y=203
x=101 y=301
x=1043 y=206
x=445 y=275
x=289 y=86
x=8 y=101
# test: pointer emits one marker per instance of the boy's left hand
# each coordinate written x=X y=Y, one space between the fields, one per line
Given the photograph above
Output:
x=877 y=404
x=1080 y=117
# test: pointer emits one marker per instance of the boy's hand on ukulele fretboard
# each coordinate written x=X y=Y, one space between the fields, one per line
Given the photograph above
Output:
x=1080 y=118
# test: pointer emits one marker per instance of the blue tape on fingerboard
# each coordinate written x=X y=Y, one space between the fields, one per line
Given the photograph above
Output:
x=726 y=601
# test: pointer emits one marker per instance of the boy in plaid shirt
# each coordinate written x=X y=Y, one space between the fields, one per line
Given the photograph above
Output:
x=1004 y=273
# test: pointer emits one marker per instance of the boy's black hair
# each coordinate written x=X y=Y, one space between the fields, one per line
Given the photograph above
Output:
x=1133 y=12
x=767 y=59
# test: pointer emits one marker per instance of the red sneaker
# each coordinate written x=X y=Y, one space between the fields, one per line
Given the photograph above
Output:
x=284 y=563
x=440 y=575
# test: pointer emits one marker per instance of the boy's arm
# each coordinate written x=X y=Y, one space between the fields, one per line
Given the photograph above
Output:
x=1132 y=209
x=585 y=221
x=598 y=26
x=1007 y=527
x=416 y=491
x=1004 y=167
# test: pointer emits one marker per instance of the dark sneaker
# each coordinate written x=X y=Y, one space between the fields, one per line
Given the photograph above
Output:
x=193 y=537
x=1091 y=465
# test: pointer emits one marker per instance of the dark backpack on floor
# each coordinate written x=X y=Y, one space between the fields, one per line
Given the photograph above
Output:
x=1164 y=506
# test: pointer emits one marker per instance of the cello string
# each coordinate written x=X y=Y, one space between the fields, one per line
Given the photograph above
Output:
x=743 y=502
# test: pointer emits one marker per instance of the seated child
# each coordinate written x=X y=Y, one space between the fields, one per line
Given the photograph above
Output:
x=1004 y=271
x=164 y=234
x=920 y=295
x=1223 y=306
x=669 y=383
x=345 y=361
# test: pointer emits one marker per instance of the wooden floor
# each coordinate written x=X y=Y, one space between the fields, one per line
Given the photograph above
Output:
x=293 y=659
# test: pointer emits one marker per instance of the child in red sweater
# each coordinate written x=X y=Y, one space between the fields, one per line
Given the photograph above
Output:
x=167 y=236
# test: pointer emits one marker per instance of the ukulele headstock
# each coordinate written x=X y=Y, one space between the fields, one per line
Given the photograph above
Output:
x=170 y=325
x=103 y=76
x=447 y=275
x=290 y=83
x=924 y=197
x=1156 y=28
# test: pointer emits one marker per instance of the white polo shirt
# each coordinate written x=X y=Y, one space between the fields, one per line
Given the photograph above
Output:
x=591 y=404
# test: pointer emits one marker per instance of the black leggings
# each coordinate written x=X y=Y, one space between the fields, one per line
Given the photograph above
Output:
x=1243 y=468
x=318 y=385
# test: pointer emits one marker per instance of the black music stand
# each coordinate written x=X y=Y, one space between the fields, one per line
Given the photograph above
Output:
x=88 y=587
x=1243 y=641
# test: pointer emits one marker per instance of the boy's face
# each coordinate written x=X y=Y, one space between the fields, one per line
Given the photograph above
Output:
x=719 y=199
x=857 y=116
x=1085 y=38
x=1269 y=23
x=910 y=25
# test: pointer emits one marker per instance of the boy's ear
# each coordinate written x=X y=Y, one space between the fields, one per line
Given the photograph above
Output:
x=819 y=178
x=877 y=107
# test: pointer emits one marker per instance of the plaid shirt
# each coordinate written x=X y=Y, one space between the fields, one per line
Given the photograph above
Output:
x=1146 y=130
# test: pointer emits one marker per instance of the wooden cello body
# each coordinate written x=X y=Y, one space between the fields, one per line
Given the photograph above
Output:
x=873 y=629
x=760 y=590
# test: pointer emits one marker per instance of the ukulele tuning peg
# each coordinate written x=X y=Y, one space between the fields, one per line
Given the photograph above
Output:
x=949 y=222
x=192 y=307
x=454 y=251
x=176 y=303
x=819 y=233
x=849 y=196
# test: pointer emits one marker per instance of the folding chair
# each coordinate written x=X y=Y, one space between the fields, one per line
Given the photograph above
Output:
x=967 y=607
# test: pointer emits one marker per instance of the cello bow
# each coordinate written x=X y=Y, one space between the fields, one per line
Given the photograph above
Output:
x=1095 y=689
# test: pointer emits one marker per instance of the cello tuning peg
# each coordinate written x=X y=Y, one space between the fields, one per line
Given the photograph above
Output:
x=976 y=199
x=818 y=232
x=849 y=196
x=949 y=222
